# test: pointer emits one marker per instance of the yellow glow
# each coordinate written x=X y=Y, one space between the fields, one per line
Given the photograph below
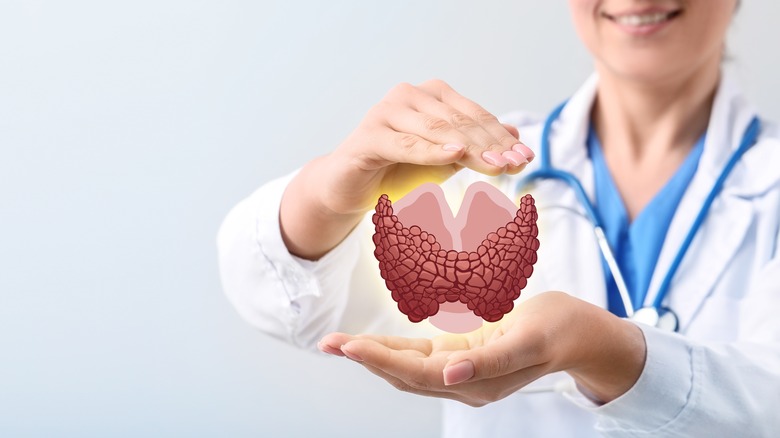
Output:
x=404 y=179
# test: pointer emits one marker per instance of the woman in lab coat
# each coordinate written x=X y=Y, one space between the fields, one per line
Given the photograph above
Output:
x=657 y=121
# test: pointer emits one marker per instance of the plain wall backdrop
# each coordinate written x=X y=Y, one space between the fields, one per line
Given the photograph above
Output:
x=128 y=130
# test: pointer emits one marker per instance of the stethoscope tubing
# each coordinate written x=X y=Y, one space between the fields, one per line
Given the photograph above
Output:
x=598 y=229
x=749 y=138
x=547 y=171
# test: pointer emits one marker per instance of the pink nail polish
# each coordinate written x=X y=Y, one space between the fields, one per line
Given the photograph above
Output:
x=351 y=355
x=458 y=373
x=453 y=147
x=325 y=348
x=494 y=158
x=515 y=158
x=525 y=150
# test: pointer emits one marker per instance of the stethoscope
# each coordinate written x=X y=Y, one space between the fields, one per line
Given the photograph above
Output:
x=657 y=314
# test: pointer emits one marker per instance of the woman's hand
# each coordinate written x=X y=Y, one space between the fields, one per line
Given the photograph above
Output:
x=548 y=333
x=416 y=134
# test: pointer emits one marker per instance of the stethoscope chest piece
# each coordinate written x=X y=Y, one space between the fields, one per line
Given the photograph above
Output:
x=664 y=319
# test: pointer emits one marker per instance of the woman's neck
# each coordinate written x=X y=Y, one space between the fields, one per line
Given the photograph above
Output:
x=645 y=119
x=647 y=130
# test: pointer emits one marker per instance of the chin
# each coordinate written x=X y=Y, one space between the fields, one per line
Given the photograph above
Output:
x=659 y=64
x=649 y=70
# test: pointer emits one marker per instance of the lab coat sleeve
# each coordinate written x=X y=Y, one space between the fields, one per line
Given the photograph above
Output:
x=292 y=299
x=296 y=300
x=690 y=388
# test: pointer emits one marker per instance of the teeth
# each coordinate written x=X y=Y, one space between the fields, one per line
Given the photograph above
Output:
x=642 y=20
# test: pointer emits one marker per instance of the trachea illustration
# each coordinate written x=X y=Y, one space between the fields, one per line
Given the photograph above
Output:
x=458 y=268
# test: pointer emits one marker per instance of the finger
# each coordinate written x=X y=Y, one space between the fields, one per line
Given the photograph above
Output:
x=419 y=138
x=490 y=390
x=525 y=150
x=422 y=345
x=409 y=136
x=435 y=97
x=399 y=134
x=512 y=130
x=480 y=138
x=403 y=386
x=476 y=393
x=325 y=348
x=427 y=100
x=332 y=342
x=505 y=355
x=520 y=147
x=473 y=117
x=515 y=169
x=476 y=114
x=517 y=161
x=423 y=373
x=391 y=147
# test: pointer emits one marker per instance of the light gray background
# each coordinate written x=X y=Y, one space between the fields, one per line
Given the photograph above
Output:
x=127 y=131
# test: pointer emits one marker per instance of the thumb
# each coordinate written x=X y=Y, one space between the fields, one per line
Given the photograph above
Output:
x=497 y=359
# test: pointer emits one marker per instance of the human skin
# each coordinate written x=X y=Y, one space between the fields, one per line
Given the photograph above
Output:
x=656 y=85
x=415 y=134
x=655 y=90
x=550 y=332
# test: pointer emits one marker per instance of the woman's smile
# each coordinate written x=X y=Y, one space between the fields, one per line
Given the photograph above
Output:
x=653 y=42
x=643 y=22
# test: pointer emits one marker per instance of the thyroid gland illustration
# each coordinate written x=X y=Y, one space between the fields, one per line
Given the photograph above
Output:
x=457 y=270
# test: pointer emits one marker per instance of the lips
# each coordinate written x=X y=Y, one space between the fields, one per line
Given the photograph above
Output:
x=430 y=259
x=646 y=18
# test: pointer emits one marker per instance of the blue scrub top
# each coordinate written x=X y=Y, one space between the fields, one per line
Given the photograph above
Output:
x=636 y=244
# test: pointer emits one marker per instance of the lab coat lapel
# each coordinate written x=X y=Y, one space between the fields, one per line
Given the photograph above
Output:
x=574 y=263
x=719 y=238
x=721 y=233
x=568 y=134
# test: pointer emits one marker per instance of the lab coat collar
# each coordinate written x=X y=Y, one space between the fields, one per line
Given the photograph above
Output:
x=729 y=119
x=568 y=134
x=730 y=116
x=729 y=219
x=724 y=230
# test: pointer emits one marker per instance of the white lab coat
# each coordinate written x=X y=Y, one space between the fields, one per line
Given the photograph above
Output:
x=719 y=377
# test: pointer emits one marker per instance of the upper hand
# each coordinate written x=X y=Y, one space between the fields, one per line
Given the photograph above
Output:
x=548 y=333
x=416 y=134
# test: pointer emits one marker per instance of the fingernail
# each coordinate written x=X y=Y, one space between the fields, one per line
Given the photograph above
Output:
x=351 y=355
x=525 y=150
x=494 y=158
x=453 y=147
x=325 y=348
x=515 y=158
x=458 y=373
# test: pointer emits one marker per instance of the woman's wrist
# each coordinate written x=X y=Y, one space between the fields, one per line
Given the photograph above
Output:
x=612 y=359
x=309 y=227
